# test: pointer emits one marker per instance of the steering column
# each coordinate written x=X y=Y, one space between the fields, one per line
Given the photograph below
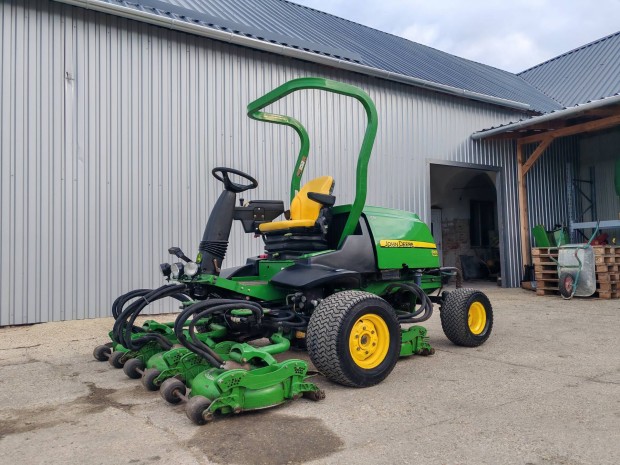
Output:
x=217 y=231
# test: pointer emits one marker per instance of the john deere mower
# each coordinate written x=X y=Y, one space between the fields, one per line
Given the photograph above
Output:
x=348 y=283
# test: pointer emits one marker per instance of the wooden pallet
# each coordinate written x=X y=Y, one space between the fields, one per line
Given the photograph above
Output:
x=545 y=270
x=607 y=267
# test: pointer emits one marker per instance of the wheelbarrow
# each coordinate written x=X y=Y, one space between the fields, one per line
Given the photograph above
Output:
x=576 y=269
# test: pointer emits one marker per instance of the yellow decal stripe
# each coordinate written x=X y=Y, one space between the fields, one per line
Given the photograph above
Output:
x=399 y=244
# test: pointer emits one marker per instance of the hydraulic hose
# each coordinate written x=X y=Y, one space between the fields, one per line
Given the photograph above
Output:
x=121 y=326
x=201 y=349
x=426 y=306
x=122 y=313
x=117 y=310
x=119 y=303
x=157 y=294
x=286 y=318
x=124 y=325
x=201 y=310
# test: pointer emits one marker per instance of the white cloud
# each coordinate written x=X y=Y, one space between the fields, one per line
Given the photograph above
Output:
x=426 y=34
x=511 y=35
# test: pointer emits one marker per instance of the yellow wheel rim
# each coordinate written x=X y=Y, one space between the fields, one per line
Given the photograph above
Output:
x=369 y=341
x=477 y=318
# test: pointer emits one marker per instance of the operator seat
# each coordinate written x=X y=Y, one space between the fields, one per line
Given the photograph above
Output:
x=306 y=225
x=306 y=206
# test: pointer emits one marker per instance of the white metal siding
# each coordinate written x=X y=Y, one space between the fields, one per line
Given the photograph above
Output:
x=109 y=129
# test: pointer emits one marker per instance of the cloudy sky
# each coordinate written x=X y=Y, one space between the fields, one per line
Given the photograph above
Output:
x=510 y=35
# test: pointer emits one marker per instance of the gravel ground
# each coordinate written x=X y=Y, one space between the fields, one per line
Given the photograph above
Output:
x=543 y=390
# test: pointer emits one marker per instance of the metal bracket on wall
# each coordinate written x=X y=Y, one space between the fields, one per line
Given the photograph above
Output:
x=580 y=202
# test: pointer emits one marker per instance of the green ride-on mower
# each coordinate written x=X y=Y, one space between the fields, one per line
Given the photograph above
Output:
x=348 y=283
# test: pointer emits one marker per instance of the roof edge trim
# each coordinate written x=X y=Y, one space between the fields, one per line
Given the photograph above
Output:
x=547 y=117
x=131 y=13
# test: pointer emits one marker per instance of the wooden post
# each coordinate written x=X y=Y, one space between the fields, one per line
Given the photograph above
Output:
x=523 y=213
x=522 y=168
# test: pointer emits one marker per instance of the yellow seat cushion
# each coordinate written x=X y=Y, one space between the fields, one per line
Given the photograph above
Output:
x=277 y=225
x=304 y=211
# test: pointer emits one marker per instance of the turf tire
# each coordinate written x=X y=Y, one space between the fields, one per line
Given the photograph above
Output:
x=328 y=333
x=454 y=315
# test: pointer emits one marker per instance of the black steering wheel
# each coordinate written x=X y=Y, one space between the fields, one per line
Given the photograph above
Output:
x=221 y=174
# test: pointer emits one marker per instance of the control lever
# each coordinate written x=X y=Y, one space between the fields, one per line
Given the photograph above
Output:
x=177 y=252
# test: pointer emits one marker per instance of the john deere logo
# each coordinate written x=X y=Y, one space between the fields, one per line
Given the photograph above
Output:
x=398 y=244
x=393 y=243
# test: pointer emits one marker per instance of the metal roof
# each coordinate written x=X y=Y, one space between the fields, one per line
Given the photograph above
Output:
x=560 y=119
x=298 y=28
x=587 y=73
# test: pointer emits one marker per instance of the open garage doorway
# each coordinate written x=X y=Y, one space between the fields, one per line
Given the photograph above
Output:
x=465 y=220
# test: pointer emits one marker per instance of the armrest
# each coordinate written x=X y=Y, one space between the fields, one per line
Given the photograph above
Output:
x=326 y=200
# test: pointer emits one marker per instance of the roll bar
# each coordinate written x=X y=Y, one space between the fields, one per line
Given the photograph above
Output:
x=254 y=112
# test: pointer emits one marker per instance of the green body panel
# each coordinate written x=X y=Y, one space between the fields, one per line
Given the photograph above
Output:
x=239 y=390
x=169 y=359
x=414 y=341
x=264 y=384
x=410 y=240
x=257 y=287
x=145 y=353
x=184 y=364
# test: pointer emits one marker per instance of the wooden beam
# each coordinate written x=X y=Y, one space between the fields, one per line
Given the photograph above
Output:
x=602 y=112
x=536 y=154
x=523 y=216
x=590 y=126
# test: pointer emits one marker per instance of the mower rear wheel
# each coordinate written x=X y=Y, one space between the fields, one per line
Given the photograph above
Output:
x=116 y=359
x=467 y=317
x=102 y=352
x=196 y=410
x=148 y=379
x=353 y=338
x=172 y=389
x=134 y=367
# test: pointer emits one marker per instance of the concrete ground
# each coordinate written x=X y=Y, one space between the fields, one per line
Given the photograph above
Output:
x=543 y=390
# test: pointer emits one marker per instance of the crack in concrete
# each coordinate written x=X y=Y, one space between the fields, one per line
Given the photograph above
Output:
x=534 y=368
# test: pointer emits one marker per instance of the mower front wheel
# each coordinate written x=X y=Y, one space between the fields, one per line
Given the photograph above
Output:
x=117 y=359
x=353 y=338
x=134 y=368
x=148 y=379
x=102 y=352
x=172 y=390
x=197 y=410
x=467 y=317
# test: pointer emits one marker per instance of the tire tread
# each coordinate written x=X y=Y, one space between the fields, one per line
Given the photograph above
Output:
x=453 y=323
x=323 y=330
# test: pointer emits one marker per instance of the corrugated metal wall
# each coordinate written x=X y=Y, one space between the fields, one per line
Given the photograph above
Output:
x=109 y=129
x=548 y=199
x=601 y=152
